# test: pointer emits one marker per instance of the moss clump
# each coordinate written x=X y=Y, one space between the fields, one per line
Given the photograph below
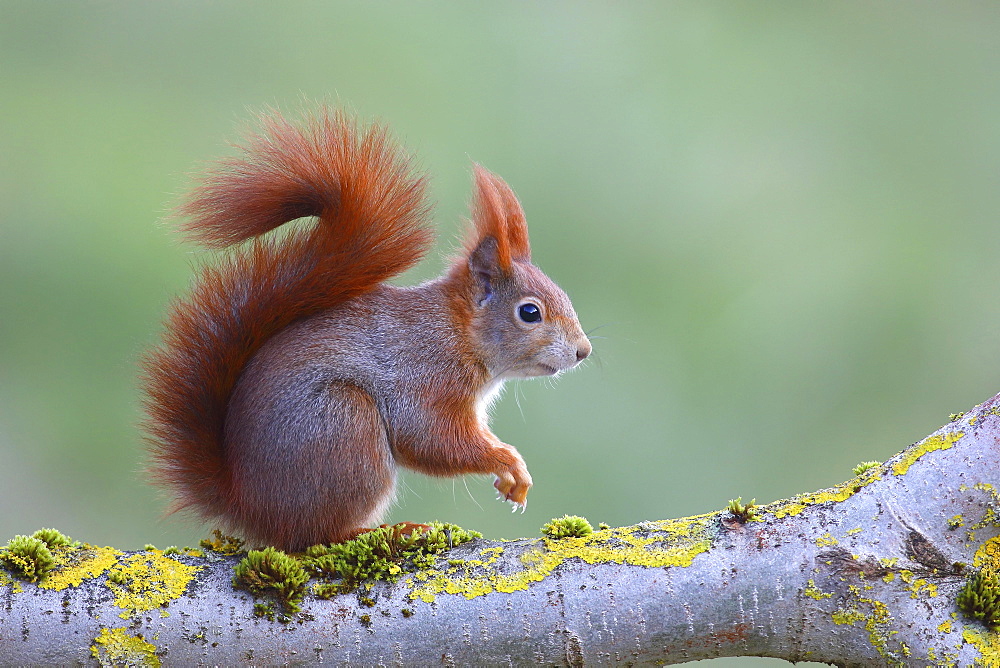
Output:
x=54 y=538
x=272 y=572
x=264 y=610
x=223 y=544
x=864 y=466
x=979 y=599
x=382 y=554
x=328 y=590
x=568 y=526
x=744 y=513
x=29 y=558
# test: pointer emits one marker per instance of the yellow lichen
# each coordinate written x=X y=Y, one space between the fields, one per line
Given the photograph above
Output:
x=929 y=444
x=946 y=660
x=115 y=647
x=841 y=492
x=826 y=539
x=667 y=543
x=878 y=622
x=988 y=554
x=147 y=580
x=73 y=567
x=945 y=626
x=812 y=591
x=6 y=580
x=847 y=617
x=987 y=642
x=921 y=584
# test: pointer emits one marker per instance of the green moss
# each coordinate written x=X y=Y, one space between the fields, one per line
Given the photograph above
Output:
x=264 y=610
x=568 y=526
x=864 y=466
x=328 y=590
x=28 y=558
x=271 y=572
x=222 y=543
x=54 y=538
x=183 y=551
x=979 y=598
x=383 y=554
x=744 y=513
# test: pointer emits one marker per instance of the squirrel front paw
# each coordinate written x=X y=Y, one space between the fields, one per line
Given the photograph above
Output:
x=512 y=485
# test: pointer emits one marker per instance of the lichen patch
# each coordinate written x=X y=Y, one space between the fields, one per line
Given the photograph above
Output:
x=929 y=444
x=147 y=580
x=651 y=544
x=73 y=567
x=115 y=647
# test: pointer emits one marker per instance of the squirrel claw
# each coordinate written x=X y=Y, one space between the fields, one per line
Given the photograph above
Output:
x=516 y=505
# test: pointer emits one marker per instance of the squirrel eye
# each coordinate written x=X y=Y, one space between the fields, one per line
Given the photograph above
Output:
x=528 y=312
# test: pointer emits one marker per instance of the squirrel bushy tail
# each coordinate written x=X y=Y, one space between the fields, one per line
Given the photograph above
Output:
x=371 y=212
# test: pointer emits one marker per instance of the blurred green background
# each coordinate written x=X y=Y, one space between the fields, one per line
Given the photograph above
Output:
x=782 y=216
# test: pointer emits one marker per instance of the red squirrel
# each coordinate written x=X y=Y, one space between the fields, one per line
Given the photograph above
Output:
x=293 y=380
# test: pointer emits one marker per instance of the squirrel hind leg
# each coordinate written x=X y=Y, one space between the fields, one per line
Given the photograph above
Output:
x=334 y=477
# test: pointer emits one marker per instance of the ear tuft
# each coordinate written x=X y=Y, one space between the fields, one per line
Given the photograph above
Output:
x=496 y=213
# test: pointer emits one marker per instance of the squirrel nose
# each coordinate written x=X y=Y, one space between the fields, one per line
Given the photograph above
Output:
x=583 y=351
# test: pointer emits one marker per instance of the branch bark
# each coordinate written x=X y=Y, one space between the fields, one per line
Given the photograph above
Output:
x=865 y=573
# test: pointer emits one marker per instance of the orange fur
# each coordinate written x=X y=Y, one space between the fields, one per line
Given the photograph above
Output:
x=372 y=214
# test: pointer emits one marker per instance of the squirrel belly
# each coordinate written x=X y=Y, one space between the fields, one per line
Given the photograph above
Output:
x=292 y=380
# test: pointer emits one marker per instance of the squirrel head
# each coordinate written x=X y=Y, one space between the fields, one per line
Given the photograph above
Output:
x=520 y=323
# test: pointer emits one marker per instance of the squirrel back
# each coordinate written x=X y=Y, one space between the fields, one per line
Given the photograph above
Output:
x=371 y=224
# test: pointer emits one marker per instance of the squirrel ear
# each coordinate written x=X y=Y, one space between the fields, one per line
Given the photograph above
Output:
x=484 y=268
x=496 y=213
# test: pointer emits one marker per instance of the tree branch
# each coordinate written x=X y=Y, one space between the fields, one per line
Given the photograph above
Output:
x=865 y=573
